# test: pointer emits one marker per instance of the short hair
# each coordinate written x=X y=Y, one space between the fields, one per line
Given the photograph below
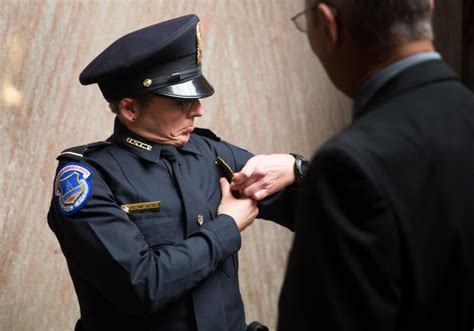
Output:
x=382 y=24
x=115 y=105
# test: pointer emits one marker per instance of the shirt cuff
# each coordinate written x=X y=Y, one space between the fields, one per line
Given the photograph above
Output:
x=224 y=228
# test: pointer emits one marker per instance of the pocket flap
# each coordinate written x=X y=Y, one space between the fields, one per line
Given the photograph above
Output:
x=157 y=230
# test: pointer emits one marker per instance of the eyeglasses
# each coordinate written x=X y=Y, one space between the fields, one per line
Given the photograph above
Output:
x=186 y=104
x=300 y=19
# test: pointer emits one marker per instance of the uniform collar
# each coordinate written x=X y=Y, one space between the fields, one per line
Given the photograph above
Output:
x=142 y=147
x=190 y=147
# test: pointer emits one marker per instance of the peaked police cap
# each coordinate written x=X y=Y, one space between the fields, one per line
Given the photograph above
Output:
x=164 y=58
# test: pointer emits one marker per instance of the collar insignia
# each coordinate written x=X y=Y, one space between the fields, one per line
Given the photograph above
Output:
x=139 y=144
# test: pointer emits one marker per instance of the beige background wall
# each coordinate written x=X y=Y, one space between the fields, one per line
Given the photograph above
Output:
x=272 y=96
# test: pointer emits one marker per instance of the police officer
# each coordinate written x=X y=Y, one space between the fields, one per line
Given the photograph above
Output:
x=139 y=217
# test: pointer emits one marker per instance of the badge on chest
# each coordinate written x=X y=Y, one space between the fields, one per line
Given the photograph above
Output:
x=141 y=207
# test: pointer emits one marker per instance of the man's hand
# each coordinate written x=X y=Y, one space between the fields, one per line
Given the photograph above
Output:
x=264 y=175
x=243 y=210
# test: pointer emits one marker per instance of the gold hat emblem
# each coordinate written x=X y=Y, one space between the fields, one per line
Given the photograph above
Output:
x=147 y=82
x=198 y=43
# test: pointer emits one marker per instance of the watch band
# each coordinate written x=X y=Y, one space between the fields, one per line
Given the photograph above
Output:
x=299 y=168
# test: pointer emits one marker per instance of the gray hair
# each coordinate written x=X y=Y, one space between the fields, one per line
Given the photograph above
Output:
x=382 y=24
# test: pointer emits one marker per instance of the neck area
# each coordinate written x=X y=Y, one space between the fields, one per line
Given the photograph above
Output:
x=372 y=63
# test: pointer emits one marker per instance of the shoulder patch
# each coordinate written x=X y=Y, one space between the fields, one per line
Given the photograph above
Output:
x=206 y=133
x=72 y=187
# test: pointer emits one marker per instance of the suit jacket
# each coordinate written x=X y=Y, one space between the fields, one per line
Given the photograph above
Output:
x=385 y=228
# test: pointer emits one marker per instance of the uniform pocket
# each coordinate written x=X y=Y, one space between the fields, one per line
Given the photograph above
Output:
x=157 y=230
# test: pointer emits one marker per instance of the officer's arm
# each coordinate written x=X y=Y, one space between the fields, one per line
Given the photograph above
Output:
x=111 y=253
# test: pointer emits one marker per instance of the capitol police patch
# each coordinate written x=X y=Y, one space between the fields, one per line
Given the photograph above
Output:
x=72 y=187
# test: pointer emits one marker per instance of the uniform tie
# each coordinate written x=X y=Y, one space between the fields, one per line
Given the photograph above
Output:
x=196 y=208
x=208 y=293
x=169 y=153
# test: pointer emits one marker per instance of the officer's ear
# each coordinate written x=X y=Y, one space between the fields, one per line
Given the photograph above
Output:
x=129 y=110
x=331 y=30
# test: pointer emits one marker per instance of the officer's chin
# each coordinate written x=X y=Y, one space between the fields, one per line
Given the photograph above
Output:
x=182 y=139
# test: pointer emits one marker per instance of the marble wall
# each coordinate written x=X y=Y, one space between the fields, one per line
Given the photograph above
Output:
x=271 y=96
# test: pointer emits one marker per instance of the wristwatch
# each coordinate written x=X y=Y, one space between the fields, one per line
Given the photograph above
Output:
x=299 y=168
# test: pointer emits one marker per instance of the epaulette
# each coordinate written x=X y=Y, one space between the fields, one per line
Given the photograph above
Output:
x=206 y=133
x=78 y=152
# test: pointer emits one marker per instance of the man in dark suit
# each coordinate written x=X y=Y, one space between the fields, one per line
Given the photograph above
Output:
x=385 y=227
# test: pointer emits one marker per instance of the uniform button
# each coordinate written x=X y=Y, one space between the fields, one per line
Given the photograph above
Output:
x=200 y=219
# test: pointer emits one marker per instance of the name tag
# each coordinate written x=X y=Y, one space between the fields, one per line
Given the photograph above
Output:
x=143 y=206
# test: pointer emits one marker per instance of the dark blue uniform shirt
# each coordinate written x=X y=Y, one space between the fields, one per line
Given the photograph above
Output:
x=171 y=266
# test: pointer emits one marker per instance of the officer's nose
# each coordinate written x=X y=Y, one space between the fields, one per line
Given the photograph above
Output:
x=197 y=110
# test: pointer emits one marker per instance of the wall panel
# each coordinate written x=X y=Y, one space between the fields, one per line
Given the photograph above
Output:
x=468 y=44
x=448 y=29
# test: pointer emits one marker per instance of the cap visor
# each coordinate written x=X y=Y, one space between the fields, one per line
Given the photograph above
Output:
x=196 y=88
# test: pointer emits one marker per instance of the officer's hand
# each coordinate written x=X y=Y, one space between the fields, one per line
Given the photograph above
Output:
x=243 y=210
x=264 y=175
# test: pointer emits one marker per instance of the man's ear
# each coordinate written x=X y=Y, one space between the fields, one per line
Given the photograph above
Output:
x=327 y=17
x=129 y=110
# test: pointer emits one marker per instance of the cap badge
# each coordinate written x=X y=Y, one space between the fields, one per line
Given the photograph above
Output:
x=198 y=44
x=147 y=82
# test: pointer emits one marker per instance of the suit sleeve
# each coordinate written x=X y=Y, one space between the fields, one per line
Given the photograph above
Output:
x=279 y=207
x=343 y=271
x=112 y=254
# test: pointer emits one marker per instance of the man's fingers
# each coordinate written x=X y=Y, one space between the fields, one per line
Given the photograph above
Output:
x=245 y=173
x=260 y=195
x=253 y=189
x=246 y=177
x=240 y=177
x=244 y=185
